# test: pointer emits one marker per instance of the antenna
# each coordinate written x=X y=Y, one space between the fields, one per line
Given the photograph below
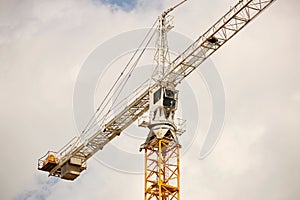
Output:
x=171 y=9
x=162 y=56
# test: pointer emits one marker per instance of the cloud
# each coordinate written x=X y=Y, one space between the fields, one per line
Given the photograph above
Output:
x=42 y=46
x=127 y=5
x=42 y=192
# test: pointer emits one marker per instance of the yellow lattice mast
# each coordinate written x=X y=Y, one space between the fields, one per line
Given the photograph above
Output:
x=162 y=158
x=162 y=166
x=162 y=175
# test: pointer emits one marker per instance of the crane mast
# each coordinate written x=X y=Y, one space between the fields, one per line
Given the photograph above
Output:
x=162 y=158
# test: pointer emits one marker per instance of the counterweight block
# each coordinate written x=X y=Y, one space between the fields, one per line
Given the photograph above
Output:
x=72 y=169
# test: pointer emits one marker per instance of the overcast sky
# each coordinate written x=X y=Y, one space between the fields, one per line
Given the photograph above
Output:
x=43 y=45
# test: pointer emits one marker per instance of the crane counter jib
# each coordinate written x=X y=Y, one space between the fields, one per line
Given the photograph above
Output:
x=70 y=161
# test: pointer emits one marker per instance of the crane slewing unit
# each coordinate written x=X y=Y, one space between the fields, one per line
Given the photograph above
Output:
x=162 y=161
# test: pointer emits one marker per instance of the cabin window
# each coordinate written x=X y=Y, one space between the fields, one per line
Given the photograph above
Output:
x=157 y=96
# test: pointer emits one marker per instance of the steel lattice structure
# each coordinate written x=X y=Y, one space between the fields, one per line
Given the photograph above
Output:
x=162 y=170
x=162 y=176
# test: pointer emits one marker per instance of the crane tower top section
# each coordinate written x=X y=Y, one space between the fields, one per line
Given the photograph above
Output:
x=70 y=161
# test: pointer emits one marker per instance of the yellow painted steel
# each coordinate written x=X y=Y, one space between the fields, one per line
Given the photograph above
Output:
x=162 y=170
x=50 y=162
x=52 y=159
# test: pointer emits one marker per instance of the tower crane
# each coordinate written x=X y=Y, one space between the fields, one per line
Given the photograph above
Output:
x=159 y=101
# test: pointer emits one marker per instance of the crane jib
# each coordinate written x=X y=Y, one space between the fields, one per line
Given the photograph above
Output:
x=70 y=161
x=222 y=31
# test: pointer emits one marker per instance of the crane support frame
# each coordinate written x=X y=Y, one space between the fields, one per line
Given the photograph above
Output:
x=86 y=145
x=162 y=170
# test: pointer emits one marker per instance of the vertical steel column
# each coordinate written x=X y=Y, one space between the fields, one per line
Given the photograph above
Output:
x=162 y=170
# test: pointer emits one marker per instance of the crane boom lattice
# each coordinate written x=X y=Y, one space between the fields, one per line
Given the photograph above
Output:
x=222 y=31
x=162 y=166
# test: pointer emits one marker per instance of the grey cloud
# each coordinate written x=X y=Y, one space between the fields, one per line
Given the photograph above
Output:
x=42 y=46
